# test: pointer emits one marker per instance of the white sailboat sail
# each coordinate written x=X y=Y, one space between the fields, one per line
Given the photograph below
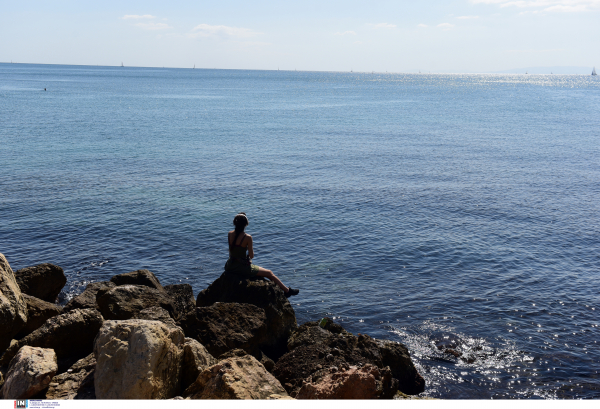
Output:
x=594 y=71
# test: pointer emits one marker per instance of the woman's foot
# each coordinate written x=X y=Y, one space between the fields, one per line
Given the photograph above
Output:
x=291 y=291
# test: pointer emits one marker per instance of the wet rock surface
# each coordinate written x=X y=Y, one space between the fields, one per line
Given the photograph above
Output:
x=126 y=301
x=236 y=378
x=138 y=359
x=38 y=311
x=70 y=335
x=225 y=326
x=76 y=383
x=13 y=307
x=281 y=319
x=29 y=373
x=44 y=281
x=87 y=299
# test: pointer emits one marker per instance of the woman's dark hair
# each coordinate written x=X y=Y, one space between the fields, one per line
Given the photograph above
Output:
x=240 y=221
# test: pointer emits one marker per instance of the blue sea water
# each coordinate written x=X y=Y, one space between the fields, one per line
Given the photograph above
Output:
x=437 y=210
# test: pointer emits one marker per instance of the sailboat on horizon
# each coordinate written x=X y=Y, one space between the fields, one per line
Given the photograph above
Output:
x=594 y=71
x=122 y=64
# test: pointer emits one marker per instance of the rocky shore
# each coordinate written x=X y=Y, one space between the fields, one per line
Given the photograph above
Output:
x=132 y=338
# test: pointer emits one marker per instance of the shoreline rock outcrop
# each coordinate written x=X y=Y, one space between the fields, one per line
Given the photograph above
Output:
x=281 y=319
x=44 y=281
x=236 y=378
x=13 y=307
x=132 y=338
x=29 y=373
x=138 y=359
x=313 y=348
x=70 y=335
x=76 y=383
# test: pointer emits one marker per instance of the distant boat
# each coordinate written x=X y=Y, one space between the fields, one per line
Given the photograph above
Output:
x=194 y=67
x=594 y=71
x=122 y=64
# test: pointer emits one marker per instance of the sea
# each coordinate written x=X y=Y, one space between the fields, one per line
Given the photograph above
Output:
x=450 y=212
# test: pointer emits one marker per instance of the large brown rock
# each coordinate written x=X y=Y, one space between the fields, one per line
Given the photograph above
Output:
x=138 y=359
x=44 y=281
x=368 y=382
x=226 y=326
x=236 y=378
x=397 y=358
x=13 y=307
x=281 y=319
x=87 y=299
x=76 y=383
x=126 y=301
x=38 y=311
x=313 y=350
x=139 y=277
x=29 y=373
x=70 y=335
x=156 y=314
x=195 y=360
x=183 y=298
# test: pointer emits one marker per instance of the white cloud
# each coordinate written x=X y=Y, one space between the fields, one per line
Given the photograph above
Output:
x=206 y=30
x=446 y=26
x=344 y=33
x=153 y=26
x=422 y=25
x=383 y=25
x=137 y=16
x=467 y=17
x=547 y=5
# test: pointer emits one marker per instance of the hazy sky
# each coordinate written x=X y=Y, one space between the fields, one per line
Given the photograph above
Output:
x=395 y=36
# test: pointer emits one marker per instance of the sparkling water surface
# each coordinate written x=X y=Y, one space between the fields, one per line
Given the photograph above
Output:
x=442 y=211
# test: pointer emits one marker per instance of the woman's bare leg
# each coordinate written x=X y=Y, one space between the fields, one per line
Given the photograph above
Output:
x=263 y=272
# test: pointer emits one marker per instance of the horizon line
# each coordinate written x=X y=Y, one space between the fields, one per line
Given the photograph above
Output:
x=295 y=70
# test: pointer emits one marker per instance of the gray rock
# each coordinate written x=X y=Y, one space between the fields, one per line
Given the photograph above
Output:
x=87 y=299
x=13 y=307
x=29 y=372
x=38 y=311
x=44 y=281
x=126 y=301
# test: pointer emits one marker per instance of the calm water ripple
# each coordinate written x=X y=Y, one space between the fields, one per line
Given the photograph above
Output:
x=457 y=214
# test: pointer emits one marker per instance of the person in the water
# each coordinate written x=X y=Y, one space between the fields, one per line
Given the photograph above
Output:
x=239 y=262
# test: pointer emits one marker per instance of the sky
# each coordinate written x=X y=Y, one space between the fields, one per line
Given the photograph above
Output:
x=392 y=36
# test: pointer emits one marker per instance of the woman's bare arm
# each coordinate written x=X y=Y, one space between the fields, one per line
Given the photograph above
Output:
x=250 y=249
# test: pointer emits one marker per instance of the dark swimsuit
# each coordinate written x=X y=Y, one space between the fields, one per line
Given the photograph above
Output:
x=238 y=262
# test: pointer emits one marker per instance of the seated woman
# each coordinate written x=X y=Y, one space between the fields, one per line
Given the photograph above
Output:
x=239 y=263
